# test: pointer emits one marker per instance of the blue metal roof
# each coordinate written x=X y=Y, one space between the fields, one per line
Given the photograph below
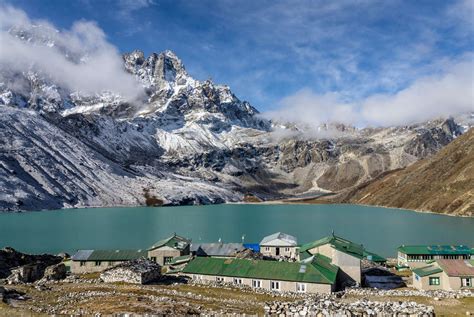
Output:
x=252 y=246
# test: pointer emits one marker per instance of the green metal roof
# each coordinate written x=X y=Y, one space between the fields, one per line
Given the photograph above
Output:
x=174 y=271
x=339 y=243
x=304 y=255
x=435 y=249
x=317 y=271
x=427 y=270
x=175 y=241
x=116 y=255
x=343 y=245
x=181 y=259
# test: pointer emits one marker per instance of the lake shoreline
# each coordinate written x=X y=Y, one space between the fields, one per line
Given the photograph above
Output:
x=286 y=201
x=302 y=202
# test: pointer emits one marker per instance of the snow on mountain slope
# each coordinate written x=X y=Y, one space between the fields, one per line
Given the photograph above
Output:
x=42 y=167
x=185 y=141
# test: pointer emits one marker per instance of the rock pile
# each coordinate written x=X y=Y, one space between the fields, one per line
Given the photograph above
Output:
x=328 y=306
x=55 y=272
x=409 y=292
x=140 y=271
x=37 y=273
x=249 y=254
x=35 y=264
x=7 y=294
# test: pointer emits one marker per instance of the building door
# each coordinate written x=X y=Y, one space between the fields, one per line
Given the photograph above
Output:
x=277 y=251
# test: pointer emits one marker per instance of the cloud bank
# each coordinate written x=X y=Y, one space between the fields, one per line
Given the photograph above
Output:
x=449 y=92
x=79 y=59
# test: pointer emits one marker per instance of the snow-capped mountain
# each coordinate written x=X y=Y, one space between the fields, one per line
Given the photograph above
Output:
x=182 y=141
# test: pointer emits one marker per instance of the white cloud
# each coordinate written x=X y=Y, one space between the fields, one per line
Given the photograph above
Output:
x=133 y=5
x=448 y=93
x=307 y=107
x=92 y=64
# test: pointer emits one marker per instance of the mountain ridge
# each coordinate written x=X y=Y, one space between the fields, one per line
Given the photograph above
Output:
x=442 y=183
x=185 y=142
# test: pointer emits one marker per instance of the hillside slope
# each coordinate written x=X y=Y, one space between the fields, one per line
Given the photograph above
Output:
x=443 y=183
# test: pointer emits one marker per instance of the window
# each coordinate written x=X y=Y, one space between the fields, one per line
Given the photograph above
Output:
x=301 y=287
x=237 y=281
x=198 y=277
x=167 y=259
x=98 y=263
x=466 y=282
x=275 y=285
x=219 y=279
x=153 y=259
x=82 y=263
x=287 y=249
x=256 y=283
x=111 y=263
x=434 y=280
x=267 y=248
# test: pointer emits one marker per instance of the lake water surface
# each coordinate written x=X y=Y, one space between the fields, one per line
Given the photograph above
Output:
x=381 y=230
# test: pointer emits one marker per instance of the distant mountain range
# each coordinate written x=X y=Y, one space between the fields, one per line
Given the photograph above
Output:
x=186 y=142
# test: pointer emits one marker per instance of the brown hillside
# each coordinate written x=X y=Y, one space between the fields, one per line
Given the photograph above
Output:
x=443 y=183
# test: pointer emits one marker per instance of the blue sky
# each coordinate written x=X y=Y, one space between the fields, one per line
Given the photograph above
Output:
x=271 y=51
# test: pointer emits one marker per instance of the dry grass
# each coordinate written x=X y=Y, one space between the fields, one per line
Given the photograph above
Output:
x=121 y=297
x=178 y=299
x=90 y=276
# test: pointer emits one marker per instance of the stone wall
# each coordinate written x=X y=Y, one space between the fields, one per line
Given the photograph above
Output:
x=330 y=306
x=141 y=271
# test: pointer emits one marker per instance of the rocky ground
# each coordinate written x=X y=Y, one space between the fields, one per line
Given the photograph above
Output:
x=87 y=295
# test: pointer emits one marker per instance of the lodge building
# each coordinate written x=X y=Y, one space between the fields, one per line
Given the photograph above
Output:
x=415 y=256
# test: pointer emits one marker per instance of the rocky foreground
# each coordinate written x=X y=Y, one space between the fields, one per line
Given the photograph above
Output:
x=90 y=296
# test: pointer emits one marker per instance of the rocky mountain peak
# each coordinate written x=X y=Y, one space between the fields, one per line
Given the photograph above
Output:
x=157 y=70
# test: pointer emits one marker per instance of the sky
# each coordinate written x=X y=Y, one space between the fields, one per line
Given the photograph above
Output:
x=364 y=62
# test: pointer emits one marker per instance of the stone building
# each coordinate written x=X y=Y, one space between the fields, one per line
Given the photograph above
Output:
x=164 y=251
x=445 y=274
x=343 y=253
x=140 y=271
x=279 y=245
x=415 y=256
x=89 y=261
x=314 y=275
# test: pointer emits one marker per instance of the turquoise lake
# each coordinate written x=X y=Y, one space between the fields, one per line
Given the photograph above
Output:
x=381 y=230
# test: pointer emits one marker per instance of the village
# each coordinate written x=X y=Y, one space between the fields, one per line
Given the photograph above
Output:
x=279 y=263
x=328 y=267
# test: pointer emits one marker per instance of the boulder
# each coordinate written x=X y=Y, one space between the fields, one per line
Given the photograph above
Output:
x=140 y=271
x=55 y=272
x=25 y=274
x=11 y=260
x=8 y=294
